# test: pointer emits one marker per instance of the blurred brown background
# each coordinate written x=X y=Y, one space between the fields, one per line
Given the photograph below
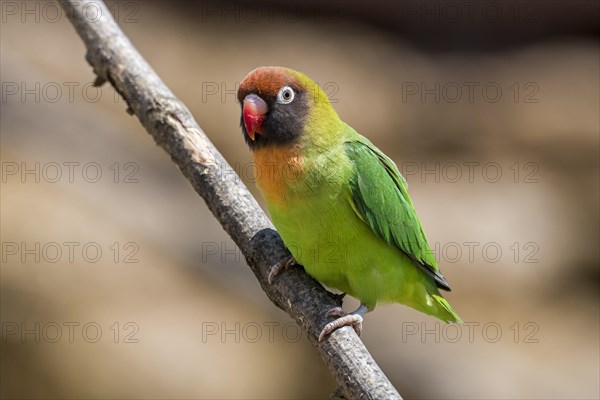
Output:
x=117 y=282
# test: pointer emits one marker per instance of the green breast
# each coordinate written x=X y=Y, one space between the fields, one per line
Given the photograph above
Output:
x=315 y=219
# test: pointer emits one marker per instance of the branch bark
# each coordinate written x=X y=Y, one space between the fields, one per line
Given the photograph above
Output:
x=172 y=126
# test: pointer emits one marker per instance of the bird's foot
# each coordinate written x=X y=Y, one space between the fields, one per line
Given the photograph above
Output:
x=353 y=319
x=279 y=267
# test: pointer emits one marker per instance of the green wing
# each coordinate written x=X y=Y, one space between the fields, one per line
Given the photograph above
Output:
x=380 y=197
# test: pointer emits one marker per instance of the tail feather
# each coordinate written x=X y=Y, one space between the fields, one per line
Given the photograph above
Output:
x=445 y=311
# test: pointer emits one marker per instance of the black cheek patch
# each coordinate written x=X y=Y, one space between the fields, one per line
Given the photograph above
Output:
x=283 y=124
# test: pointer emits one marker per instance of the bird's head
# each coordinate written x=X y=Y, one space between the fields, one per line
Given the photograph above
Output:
x=277 y=106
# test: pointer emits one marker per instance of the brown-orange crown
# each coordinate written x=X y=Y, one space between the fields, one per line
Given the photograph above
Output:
x=266 y=82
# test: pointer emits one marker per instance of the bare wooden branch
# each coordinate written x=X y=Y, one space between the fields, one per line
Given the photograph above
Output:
x=115 y=60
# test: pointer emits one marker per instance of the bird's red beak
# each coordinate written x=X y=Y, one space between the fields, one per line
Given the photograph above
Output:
x=253 y=112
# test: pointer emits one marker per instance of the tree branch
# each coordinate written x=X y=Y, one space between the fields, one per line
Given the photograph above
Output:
x=172 y=126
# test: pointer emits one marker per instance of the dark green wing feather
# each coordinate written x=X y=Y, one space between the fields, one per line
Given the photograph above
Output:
x=381 y=200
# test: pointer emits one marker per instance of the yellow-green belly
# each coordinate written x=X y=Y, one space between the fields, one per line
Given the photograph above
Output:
x=337 y=248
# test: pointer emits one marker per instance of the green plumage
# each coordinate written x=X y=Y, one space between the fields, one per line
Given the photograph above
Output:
x=348 y=218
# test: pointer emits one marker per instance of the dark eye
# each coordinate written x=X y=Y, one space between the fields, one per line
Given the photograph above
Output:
x=286 y=95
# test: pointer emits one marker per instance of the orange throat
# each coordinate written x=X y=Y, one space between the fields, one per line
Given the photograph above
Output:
x=277 y=171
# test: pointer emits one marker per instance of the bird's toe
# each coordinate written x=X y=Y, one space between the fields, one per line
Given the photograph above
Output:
x=279 y=267
x=353 y=320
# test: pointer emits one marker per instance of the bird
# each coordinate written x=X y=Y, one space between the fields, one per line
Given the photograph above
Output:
x=339 y=203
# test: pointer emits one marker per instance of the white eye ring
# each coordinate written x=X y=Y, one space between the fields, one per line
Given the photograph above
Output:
x=286 y=95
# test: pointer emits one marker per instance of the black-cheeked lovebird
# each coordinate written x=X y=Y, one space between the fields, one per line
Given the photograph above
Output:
x=340 y=205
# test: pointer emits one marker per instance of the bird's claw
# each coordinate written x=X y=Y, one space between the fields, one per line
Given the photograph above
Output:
x=280 y=266
x=354 y=320
x=336 y=312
